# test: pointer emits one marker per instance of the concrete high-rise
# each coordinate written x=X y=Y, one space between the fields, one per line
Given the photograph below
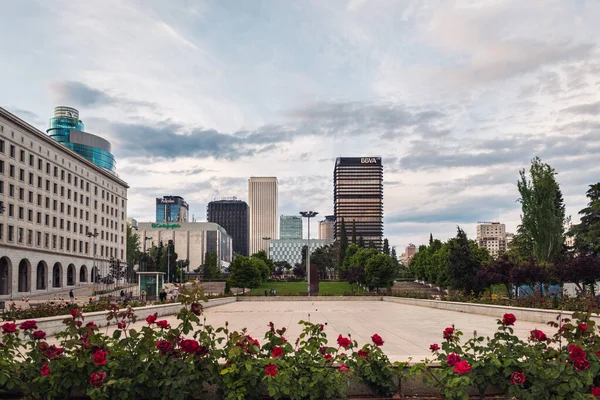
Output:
x=264 y=212
x=290 y=227
x=326 y=229
x=492 y=236
x=358 y=197
x=171 y=209
x=234 y=216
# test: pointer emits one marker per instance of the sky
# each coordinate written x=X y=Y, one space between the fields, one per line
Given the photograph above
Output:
x=197 y=96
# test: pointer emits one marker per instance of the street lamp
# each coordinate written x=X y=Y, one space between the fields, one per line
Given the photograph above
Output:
x=93 y=236
x=308 y=215
x=145 y=249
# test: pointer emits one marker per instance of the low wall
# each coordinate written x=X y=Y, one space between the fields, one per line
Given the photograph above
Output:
x=54 y=325
x=521 y=313
x=311 y=298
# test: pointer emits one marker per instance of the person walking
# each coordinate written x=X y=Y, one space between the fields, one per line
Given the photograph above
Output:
x=71 y=295
x=122 y=295
x=143 y=296
x=163 y=295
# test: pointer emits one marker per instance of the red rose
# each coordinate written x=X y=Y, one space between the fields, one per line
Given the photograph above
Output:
x=73 y=312
x=28 y=325
x=434 y=347
x=197 y=308
x=343 y=342
x=276 y=352
x=45 y=371
x=163 y=324
x=321 y=327
x=9 y=327
x=596 y=391
x=164 y=346
x=39 y=335
x=328 y=357
x=509 y=319
x=363 y=354
x=448 y=333
x=377 y=340
x=597 y=353
x=271 y=370
x=344 y=368
x=100 y=357
x=538 y=335
x=576 y=352
x=150 y=319
x=462 y=367
x=517 y=378
x=189 y=346
x=78 y=323
x=581 y=364
x=92 y=324
x=122 y=325
x=452 y=359
x=97 y=378
x=582 y=327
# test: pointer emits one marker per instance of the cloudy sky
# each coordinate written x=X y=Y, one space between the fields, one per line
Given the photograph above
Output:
x=196 y=96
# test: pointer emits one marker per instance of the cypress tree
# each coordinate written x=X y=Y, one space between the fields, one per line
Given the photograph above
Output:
x=353 y=231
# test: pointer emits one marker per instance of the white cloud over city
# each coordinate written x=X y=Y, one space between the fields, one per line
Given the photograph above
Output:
x=196 y=96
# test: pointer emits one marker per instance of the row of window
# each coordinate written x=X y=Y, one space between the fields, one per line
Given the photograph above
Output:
x=26 y=236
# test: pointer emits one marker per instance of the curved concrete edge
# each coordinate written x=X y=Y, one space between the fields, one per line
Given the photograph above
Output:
x=54 y=325
x=311 y=298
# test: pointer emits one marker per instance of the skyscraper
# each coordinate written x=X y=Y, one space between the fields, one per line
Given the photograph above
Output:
x=326 y=229
x=290 y=227
x=358 y=197
x=171 y=209
x=264 y=212
x=234 y=216
x=67 y=129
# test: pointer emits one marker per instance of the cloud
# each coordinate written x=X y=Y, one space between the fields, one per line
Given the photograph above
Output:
x=79 y=94
x=27 y=116
x=591 y=109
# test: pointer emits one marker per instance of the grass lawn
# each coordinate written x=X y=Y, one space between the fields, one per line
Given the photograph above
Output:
x=294 y=288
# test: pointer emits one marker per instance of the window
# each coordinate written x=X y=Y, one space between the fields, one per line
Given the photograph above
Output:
x=75 y=181
x=54 y=222
x=68 y=244
x=11 y=190
x=22 y=156
x=11 y=171
x=2 y=226
x=47 y=202
x=2 y=145
x=38 y=238
x=11 y=233
x=11 y=210
x=47 y=185
x=69 y=194
x=53 y=241
x=55 y=191
x=1 y=166
x=39 y=200
x=12 y=151
x=48 y=168
x=62 y=242
x=21 y=194
x=68 y=225
x=20 y=234
x=21 y=174
x=62 y=191
x=54 y=205
x=87 y=186
x=40 y=164
x=62 y=175
x=30 y=215
x=69 y=178
x=31 y=178
x=29 y=237
x=62 y=207
x=39 y=218
x=56 y=172
x=46 y=240
x=30 y=196
x=62 y=223
x=21 y=212
x=31 y=160
x=39 y=185
x=1 y=186
x=47 y=220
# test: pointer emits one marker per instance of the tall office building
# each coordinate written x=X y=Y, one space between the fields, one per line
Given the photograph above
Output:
x=326 y=229
x=264 y=212
x=234 y=216
x=493 y=237
x=67 y=129
x=358 y=197
x=290 y=227
x=171 y=209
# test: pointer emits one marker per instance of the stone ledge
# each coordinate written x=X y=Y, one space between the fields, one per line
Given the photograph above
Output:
x=311 y=298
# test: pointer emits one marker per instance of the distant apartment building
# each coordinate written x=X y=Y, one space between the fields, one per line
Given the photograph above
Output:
x=290 y=250
x=493 y=237
x=409 y=253
x=290 y=227
x=327 y=229
x=234 y=216
x=264 y=212
x=171 y=209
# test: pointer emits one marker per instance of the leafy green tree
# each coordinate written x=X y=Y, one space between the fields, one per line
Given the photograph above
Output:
x=353 y=231
x=543 y=210
x=133 y=250
x=361 y=242
x=380 y=271
x=245 y=272
x=343 y=244
x=462 y=264
x=210 y=269
x=262 y=255
x=587 y=232
x=386 y=247
x=356 y=262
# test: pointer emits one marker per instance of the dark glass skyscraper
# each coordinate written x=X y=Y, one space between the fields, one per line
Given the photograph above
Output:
x=171 y=209
x=67 y=128
x=234 y=216
x=358 y=197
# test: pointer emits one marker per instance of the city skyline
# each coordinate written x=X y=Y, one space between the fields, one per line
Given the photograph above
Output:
x=456 y=98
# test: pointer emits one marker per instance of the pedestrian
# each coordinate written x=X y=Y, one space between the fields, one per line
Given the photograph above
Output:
x=71 y=295
x=163 y=295
x=266 y=294
x=143 y=296
x=122 y=295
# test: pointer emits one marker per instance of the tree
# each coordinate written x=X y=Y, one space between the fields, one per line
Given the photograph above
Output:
x=462 y=264
x=542 y=221
x=587 y=232
x=304 y=253
x=361 y=242
x=356 y=261
x=582 y=269
x=299 y=270
x=353 y=231
x=210 y=269
x=380 y=271
x=386 y=247
x=343 y=244
x=497 y=272
x=245 y=272
x=430 y=239
x=133 y=250
x=395 y=257
x=262 y=255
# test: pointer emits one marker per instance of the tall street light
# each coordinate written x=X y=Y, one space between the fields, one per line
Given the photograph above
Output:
x=145 y=249
x=308 y=215
x=95 y=277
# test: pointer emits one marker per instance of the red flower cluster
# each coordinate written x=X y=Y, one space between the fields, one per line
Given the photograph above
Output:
x=163 y=324
x=579 y=358
x=97 y=378
x=509 y=319
x=434 y=347
x=452 y=359
x=91 y=324
x=164 y=346
x=344 y=342
x=271 y=327
x=517 y=378
x=462 y=367
x=9 y=327
x=271 y=370
x=276 y=352
x=596 y=391
x=189 y=346
x=377 y=340
x=51 y=351
x=448 y=333
x=582 y=327
x=344 y=368
x=28 y=325
x=363 y=354
x=321 y=327
x=39 y=335
x=74 y=312
x=538 y=335
x=100 y=357
x=122 y=325
x=197 y=308
x=328 y=357
x=45 y=371
x=150 y=319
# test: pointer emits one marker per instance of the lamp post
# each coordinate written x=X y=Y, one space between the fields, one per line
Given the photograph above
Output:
x=146 y=250
x=93 y=236
x=308 y=215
